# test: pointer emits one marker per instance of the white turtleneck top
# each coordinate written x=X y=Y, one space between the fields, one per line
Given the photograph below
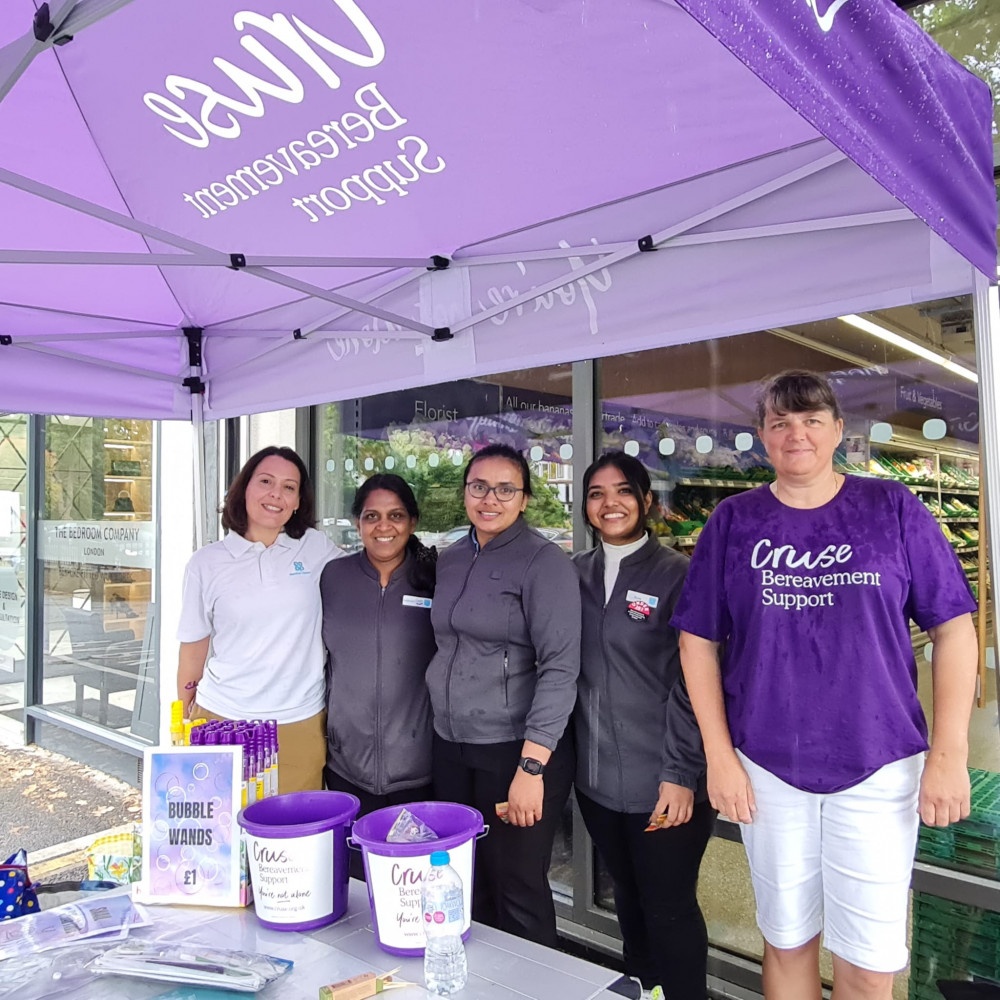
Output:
x=613 y=556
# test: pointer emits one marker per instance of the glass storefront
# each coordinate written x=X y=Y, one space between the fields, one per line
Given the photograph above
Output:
x=13 y=550
x=687 y=413
x=427 y=436
x=97 y=548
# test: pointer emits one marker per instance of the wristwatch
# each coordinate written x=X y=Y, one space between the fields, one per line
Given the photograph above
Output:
x=531 y=766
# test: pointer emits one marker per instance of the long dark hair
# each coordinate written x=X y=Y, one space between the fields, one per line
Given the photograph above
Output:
x=633 y=472
x=423 y=568
x=234 y=511
x=502 y=451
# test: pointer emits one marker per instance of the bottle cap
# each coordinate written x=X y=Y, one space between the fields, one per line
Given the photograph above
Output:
x=439 y=858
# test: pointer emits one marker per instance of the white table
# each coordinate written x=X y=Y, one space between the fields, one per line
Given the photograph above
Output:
x=501 y=967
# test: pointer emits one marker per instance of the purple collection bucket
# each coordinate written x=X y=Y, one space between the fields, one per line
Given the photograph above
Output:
x=395 y=872
x=297 y=847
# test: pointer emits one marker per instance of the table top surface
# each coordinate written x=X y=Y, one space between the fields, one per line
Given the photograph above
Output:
x=500 y=966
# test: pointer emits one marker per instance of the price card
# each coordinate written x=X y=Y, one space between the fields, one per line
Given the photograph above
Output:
x=191 y=841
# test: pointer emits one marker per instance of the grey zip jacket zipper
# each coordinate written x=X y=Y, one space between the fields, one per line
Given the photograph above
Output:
x=507 y=624
x=634 y=723
x=378 y=712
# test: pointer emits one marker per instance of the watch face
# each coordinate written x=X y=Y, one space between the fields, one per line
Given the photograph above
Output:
x=532 y=766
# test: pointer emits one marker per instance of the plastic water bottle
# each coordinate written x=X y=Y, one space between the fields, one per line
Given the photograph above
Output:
x=445 y=969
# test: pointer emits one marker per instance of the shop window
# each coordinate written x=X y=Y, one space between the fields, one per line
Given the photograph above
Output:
x=13 y=508
x=688 y=413
x=276 y=427
x=97 y=543
x=427 y=436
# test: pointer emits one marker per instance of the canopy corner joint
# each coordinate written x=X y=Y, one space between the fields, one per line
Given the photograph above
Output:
x=442 y=333
x=43 y=29
x=194 y=337
x=438 y=263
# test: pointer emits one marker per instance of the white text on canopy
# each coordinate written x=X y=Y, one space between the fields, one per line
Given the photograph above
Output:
x=219 y=116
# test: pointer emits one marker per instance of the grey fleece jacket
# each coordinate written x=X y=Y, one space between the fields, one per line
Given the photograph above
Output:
x=379 y=641
x=507 y=624
x=634 y=723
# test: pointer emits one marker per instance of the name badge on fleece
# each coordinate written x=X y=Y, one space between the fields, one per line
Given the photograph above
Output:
x=640 y=605
x=409 y=601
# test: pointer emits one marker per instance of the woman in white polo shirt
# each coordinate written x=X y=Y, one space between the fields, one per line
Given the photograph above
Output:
x=250 y=636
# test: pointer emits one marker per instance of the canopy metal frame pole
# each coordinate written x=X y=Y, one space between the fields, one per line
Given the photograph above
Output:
x=209 y=259
x=68 y=18
x=102 y=363
x=19 y=54
x=200 y=251
x=986 y=319
x=696 y=239
x=76 y=338
x=657 y=239
x=200 y=484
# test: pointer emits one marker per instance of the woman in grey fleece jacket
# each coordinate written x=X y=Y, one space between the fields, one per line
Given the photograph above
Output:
x=506 y=620
x=379 y=640
x=641 y=763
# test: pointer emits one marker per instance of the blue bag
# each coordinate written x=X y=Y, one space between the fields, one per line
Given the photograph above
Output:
x=17 y=894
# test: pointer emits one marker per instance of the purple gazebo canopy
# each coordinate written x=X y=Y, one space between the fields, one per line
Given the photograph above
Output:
x=346 y=198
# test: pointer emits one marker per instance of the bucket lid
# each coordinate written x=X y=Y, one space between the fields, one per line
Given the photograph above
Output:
x=439 y=858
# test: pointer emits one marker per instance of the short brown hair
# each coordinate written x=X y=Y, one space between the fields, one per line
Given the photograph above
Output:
x=796 y=391
x=234 y=510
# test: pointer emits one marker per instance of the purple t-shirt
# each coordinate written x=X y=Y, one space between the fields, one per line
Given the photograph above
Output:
x=813 y=608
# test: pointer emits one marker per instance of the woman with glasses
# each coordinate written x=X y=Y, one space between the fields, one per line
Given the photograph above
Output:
x=506 y=619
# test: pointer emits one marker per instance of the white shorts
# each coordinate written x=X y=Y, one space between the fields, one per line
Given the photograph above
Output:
x=839 y=863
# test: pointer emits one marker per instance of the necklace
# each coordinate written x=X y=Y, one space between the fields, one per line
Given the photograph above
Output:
x=796 y=501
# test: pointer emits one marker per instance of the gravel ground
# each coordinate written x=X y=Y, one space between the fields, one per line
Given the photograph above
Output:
x=48 y=799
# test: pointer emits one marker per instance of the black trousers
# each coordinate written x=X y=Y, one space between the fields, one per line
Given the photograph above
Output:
x=369 y=803
x=511 y=890
x=655 y=877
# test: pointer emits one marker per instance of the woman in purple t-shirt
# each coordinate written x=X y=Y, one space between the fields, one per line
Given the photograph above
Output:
x=796 y=650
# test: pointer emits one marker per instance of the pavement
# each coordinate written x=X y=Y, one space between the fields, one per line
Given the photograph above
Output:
x=53 y=807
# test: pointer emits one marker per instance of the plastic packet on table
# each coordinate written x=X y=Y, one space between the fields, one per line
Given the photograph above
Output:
x=409 y=830
x=191 y=964
x=38 y=976
x=106 y=916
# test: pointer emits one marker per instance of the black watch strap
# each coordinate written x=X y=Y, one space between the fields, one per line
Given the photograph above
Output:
x=531 y=766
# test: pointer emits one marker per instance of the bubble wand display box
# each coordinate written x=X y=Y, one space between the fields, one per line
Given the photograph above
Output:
x=192 y=845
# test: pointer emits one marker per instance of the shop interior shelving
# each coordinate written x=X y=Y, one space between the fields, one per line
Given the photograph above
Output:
x=692 y=498
x=128 y=455
x=945 y=477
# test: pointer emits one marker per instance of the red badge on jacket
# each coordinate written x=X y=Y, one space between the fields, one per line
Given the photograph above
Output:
x=638 y=611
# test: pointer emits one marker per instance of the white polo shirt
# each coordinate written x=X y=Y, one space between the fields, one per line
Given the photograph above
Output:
x=261 y=606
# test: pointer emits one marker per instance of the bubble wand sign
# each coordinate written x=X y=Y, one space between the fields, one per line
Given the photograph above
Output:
x=191 y=841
